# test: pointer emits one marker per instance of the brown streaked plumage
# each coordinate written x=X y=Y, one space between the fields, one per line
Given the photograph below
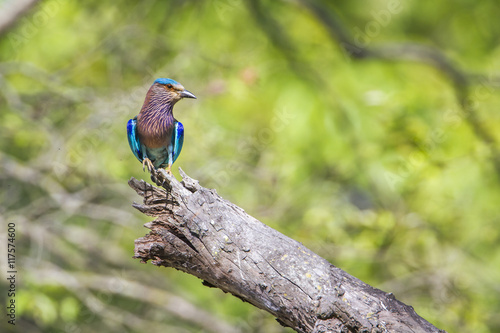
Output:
x=156 y=120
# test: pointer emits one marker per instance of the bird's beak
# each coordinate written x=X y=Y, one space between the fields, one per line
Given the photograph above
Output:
x=187 y=94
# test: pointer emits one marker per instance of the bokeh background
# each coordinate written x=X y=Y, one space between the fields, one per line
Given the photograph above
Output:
x=367 y=130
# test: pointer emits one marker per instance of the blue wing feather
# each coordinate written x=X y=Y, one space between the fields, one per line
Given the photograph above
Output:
x=133 y=140
x=173 y=151
x=177 y=139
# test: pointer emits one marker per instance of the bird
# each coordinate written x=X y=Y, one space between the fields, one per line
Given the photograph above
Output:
x=154 y=135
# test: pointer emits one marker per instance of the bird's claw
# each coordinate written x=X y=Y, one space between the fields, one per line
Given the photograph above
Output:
x=147 y=162
x=152 y=170
x=157 y=175
x=163 y=174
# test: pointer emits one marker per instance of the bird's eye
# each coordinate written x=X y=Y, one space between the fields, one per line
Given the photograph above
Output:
x=169 y=86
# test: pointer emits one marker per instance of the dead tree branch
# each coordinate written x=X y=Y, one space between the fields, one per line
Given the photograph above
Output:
x=11 y=11
x=198 y=232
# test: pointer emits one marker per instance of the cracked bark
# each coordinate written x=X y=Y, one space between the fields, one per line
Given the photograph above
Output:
x=198 y=232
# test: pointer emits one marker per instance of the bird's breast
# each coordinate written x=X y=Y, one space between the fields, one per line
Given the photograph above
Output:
x=154 y=132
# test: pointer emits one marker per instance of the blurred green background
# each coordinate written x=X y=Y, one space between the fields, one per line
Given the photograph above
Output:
x=377 y=165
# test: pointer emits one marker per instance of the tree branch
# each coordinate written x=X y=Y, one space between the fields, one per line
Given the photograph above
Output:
x=461 y=80
x=12 y=10
x=198 y=232
x=83 y=283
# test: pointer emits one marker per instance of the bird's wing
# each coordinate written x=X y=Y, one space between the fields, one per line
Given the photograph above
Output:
x=177 y=139
x=133 y=140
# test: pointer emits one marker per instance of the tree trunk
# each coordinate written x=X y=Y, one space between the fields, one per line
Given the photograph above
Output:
x=198 y=232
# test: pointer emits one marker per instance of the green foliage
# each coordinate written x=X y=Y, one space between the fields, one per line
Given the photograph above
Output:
x=372 y=164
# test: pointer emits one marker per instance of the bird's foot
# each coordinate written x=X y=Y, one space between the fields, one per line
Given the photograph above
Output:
x=154 y=173
x=147 y=162
x=164 y=173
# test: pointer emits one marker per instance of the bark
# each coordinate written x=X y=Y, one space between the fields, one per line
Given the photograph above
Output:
x=198 y=232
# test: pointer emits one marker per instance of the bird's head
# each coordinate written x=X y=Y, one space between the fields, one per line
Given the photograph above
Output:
x=172 y=90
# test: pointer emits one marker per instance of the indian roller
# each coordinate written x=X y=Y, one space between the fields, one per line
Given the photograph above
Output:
x=154 y=135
